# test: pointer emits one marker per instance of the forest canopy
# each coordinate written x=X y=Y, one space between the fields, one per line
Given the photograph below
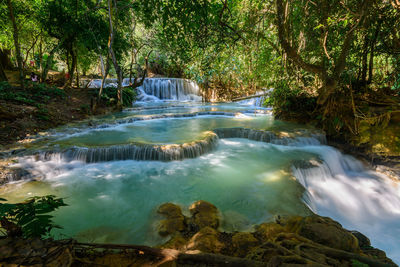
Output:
x=337 y=62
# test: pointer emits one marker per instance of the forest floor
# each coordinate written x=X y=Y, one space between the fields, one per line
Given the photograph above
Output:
x=19 y=119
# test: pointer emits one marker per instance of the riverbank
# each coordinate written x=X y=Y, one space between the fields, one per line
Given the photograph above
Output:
x=23 y=117
x=197 y=240
x=37 y=108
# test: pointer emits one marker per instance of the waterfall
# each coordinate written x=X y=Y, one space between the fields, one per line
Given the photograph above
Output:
x=257 y=100
x=133 y=152
x=171 y=152
x=300 y=138
x=155 y=89
x=340 y=187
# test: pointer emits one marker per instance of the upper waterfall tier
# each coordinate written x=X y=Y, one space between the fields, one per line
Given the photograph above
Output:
x=171 y=88
x=159 y=88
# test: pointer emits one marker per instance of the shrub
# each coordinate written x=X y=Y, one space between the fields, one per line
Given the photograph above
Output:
x=30 y=218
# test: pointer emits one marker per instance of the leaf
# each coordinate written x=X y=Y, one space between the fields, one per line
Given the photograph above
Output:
x=319 y=26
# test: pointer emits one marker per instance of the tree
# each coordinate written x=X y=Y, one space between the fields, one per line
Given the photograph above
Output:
x=16 y=43
x=327 y=65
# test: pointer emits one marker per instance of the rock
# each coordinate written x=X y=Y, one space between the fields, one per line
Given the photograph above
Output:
x=242 y=243
x=175 y=221
x=206 y=240
x=363 y=241
x=170 y=210
x=377 y=254
x=170 y=226
x=267 y=231
x=177 y=241
x=325 y=231
x=264 y=252
x=204 y=214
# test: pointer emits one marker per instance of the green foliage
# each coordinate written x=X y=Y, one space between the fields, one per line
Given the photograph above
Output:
x=356 y=263
x=286 y=98
x=34 y=93
x=32 y=216
x=109 y=95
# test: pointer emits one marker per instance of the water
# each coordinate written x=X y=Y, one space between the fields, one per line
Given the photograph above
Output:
x=250 y=166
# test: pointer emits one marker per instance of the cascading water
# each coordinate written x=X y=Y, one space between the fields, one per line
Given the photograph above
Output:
x=171 y=89
x=257 y=100
x=115 y=172
x=154 y=89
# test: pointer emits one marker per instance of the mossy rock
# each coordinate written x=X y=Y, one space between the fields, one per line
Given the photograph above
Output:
x=267 y=231
x=204 y=214
x=175 y=221
x=325 y=231
x=177 y=241
x=170 y=210
x=242 y=243
x=206 y=240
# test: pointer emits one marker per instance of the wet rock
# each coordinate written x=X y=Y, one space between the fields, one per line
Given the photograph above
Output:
x=16 y=174
x=170 y=210
x=206 y=240
x=177 y=241
x=267 y=231
x=175 y=221
x=170 y=226
x=204 y=214
x=242 y=243
x=325 y=231
x=306 y=164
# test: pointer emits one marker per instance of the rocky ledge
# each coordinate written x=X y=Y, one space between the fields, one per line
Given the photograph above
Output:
x=197 y=241
x=294 y=240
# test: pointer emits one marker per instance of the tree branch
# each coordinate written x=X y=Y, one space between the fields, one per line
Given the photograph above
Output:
x=290 y=51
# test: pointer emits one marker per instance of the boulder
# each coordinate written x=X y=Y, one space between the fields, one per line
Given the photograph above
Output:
x=325 y=231
x=206 y=240
x=242 y=243
x=170 y=210
x=267 y=231
x=175 y=221
x=170 y=226
x=363 y=241
x=204 y=214
x=177 y=241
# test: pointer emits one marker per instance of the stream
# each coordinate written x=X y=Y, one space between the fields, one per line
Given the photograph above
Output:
x=115 y=170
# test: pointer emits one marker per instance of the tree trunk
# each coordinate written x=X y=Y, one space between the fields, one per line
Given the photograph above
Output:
x=3 y=76
x=364 y=65
x=104 y=75
x=5 y=59
x=73 y=66
x=41 y=56
x=16 y=44
x=31 y=48
x=49 y=59
x=371 y=55
x=113 y=57
x=76 y=69
x=131 y=65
